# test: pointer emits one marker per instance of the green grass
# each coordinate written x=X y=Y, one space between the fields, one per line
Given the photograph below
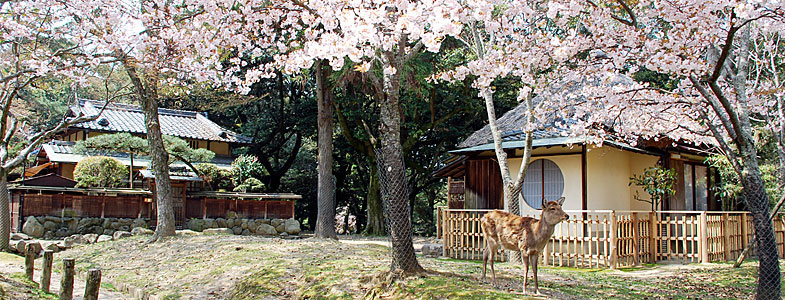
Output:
x=243 y=268
x=16 y=285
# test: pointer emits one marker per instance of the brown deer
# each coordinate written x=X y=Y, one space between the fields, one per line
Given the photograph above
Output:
x=525 y=234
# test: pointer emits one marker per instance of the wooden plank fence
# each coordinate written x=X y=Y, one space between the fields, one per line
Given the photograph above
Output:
x=607 y=238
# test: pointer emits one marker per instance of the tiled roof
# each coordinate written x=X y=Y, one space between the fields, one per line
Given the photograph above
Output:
x=63 y=152
x=119 y=117
x=514 y=120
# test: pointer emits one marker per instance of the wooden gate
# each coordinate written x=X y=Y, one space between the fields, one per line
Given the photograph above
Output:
x=178 y=204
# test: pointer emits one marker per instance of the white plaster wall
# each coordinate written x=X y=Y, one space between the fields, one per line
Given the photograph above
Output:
x=570 y=166
x=608 y=172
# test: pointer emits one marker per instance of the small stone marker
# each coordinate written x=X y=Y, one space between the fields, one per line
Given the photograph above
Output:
x=67 y=283
x=92 y=285
x=46 y=274
x=29 y=261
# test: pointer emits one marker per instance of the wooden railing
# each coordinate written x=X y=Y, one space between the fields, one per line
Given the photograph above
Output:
x=607 y=238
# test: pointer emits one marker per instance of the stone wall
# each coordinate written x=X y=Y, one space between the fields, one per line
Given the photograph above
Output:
x=50 y=228
x=248 y=226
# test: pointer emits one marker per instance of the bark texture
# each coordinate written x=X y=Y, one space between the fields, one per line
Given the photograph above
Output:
x=146 y=90
x=325 y=220
x=375 y=222
x=394 y=180
x=5 y=213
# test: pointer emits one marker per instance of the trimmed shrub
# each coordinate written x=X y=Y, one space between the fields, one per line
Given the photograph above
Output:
x=99 y=171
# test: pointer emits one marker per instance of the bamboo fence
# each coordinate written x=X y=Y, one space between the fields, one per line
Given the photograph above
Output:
x=608 y=238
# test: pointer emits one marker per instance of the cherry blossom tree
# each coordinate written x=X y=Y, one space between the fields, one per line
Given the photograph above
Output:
x=35 y=45
x=707 y=46
x=157 y=43
x=378 y=39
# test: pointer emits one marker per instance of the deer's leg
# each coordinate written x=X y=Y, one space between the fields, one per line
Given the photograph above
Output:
x=492 y=257
x=525 y=271
x=535 y=259
x=485 y=254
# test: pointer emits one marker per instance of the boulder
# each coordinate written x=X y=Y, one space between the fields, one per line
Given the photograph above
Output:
x=244 y=224
x=237 y=230
x=221 y=222
x=115 y=225
x=246 y=232
x=104 y=238
x=141 y=231
x=209 y=223
x=50 y=245
x=137 y=223
x=71 y=224
x=196 y=224
x=12 y=245
x=69 y=242
x=49 y=235
x=33 y=228
x=266 y=229
x=20 y=246
x=36 y=245
x=53 y=219
x=230 y=223
x=284 y=234
x=186 y=232
x=41 y=219
x=263 y=221
x=276 y=222
x=108 y=232
x=61 y=245
x=432 y=250
x=19 y=236
x=280 y=228
x=63 y=232
x=218 y=231
x=292 y=226
x=90 y=238
x=124 y=228
x=50 y=226
x=120 y=234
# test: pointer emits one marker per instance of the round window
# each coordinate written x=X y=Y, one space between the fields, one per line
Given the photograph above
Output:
x=543 y=181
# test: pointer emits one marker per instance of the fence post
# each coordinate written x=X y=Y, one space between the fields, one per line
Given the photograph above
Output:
x=445 y=233
x=743 y=225
x=29 y=261
x=614 y=235
x=653 y=236
x=92 y=284
x=635 y=238
x=704 y=237
x=726 y=235
x=67 y=282
x=46 y=274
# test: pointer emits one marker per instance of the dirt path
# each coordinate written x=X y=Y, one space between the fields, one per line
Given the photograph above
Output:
x=17 y=266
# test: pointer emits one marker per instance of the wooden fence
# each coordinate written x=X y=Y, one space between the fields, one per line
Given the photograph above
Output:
x=607 y=238
x=115 y=206
x=253 y=209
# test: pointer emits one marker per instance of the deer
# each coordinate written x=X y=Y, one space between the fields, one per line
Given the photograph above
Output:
x=525 y=234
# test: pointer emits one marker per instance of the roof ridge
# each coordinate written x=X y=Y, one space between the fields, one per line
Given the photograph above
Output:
x=137 y=108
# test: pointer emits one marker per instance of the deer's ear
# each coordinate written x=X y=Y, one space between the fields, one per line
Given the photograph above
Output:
x=544 y=203
x=561 y=200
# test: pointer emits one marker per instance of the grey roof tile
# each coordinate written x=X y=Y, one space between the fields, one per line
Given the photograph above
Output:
x=130 y=118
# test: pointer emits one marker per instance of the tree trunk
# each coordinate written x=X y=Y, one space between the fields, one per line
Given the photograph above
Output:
x=758 y=203
x=375 y=222
x=392 y=174
x=147 y=92
x=5 y=212
x=325 y=220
